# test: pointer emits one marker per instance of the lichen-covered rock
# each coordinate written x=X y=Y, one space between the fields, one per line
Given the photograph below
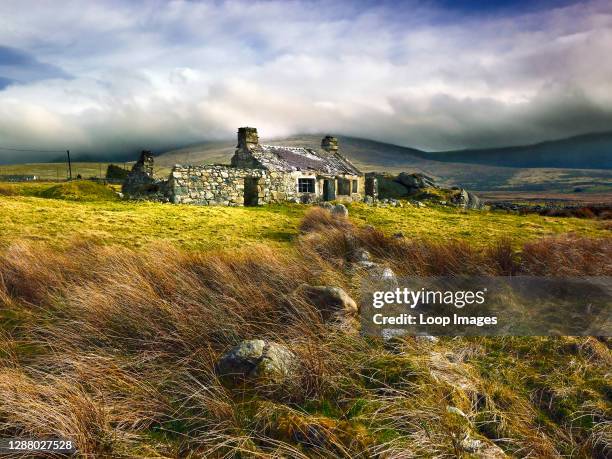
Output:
x=340 y=210
x=332 y=302
x=360 y=254
x=466 y=199
x=416 y=181
x=257 y=361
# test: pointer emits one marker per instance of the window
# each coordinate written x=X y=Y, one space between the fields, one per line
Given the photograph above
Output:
x=354 y=186
x=306 y=185
x=344 y=186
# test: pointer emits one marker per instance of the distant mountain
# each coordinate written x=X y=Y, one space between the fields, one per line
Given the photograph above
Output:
x=449 y=170
x=589 y=151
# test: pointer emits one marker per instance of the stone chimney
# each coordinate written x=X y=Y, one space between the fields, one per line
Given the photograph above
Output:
x=144 y=163
x=329 y=144
x=247 y=137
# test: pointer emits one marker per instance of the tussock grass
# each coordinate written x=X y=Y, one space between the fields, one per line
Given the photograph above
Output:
x=116 y=347
x=80 y=190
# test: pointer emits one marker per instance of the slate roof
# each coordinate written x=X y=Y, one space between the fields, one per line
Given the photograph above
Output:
x=288 y=159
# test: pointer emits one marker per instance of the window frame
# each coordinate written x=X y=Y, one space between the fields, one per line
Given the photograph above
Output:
x=309 y=185
x=343 y=186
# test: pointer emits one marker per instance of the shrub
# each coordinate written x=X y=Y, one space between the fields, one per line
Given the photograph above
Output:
x=114 y=172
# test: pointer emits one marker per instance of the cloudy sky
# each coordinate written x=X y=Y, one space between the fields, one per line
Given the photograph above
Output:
x=116 y=76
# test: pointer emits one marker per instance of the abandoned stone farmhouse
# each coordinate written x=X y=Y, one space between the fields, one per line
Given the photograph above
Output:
x=258 y=174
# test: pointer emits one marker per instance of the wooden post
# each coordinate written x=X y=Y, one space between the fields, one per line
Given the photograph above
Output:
x=69 y=165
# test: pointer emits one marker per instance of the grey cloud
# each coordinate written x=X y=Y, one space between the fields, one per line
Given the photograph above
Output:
x=160 y=75
x=17 y=66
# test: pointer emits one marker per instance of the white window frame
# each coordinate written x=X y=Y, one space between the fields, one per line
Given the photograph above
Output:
x=313 y=180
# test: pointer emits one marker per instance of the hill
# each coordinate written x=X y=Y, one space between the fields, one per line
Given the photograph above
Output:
x=371 y=155
x=590 y=151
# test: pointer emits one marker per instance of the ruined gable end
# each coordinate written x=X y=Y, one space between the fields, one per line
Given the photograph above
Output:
x=141 y=182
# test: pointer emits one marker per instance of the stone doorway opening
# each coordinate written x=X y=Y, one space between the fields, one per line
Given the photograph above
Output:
x=329 y=189
x=251 y=191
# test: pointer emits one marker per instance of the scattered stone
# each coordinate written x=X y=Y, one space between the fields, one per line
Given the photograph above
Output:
x=340 y=210
x=326 y=205
x=369 y=200
x=256 y=360
x=427 y=339
x=456 y=411
x=466 y=200
x=416 y=181
x=366 y=264
x=360 y=254
x=388 y=334
x=332 y=302
x=419 y=204
x=471 y=445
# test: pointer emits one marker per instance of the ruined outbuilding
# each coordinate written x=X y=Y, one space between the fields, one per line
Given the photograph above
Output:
x=258 y=174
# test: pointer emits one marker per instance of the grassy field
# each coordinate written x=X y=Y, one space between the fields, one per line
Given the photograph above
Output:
x=114 y=345
x=59 y=171
x=34 y=212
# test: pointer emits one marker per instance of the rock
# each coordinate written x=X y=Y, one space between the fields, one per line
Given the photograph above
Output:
x=360 y=254
x=256 y=360
x=482 y=449
x=426 y=339
x=382 y=273
x=366 y=264
x=326 y=205
x=416 y=181
x=369 y=200
x=332 y=302
x=339 y=210
x=456 y=411
x=419 y=204
x=467 y=200
x=471 y=445
x=306 y=198
x=388 y=334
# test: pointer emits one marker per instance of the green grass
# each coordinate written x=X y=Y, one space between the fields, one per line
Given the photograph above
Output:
x=59 y=171
x=140 y=331
x=81 y=190
x=60 y=214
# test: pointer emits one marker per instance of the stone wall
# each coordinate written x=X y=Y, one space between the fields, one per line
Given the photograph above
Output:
x=142 y=184
x=225 y=185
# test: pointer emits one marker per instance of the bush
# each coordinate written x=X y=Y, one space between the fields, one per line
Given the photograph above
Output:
x=114 y=172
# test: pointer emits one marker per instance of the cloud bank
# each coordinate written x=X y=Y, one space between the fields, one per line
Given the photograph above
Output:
x=115 y=77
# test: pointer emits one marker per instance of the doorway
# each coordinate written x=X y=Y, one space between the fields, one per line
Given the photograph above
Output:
x=329 y=189
x=251 y=191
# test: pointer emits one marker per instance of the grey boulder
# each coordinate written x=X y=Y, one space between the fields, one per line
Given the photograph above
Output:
x=257 y=360
x=339 y=210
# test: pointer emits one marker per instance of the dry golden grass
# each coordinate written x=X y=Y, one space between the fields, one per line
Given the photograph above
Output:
x=115 y=348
